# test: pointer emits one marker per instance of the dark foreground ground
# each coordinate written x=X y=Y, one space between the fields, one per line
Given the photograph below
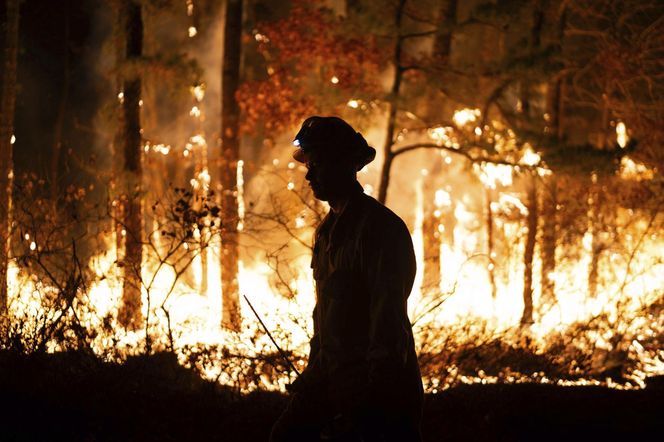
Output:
x=65 y=397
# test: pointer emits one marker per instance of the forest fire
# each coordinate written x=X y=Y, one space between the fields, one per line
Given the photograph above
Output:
x=189 y=314
x=521 y=144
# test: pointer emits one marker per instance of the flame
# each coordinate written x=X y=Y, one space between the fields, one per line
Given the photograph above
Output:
x=464 y=116
x=466 y=286
x=353 y=103
x=195 y=315
x=530 y=157
x=261 y=38
x=240 y=195
x=621 y=134
x=491 y=174
x=630 y=169
x=198 y=92
x=441 y=135
x=442 y=198
x=198 y=140
x=202 y=180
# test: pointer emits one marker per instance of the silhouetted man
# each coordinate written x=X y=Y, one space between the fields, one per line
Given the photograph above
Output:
x=362 y=382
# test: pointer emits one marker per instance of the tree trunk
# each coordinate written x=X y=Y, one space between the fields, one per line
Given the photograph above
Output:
x=62 y=110
x=117 y=155
x=532 y=218
x=443 y=41
x=201 y=191
x=130 y=311
x=431 y=244
x=392 y=108
x=431 y=224
x=595 y=248
x=549 y=239
x=490 y=243
x=555 y=108
x=7 y=105
x=230 y=154
x=529 y=252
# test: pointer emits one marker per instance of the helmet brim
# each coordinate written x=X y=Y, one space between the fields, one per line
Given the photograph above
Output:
x=300 y=156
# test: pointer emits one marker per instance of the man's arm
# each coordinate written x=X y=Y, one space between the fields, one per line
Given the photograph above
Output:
x=389 y=275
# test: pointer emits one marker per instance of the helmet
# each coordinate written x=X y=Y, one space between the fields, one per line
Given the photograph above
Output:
x=334 y=136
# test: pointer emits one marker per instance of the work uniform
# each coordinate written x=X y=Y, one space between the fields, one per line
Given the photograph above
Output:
x=362 y=361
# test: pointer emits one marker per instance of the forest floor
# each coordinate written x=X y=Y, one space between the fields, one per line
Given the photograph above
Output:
x=68 y=397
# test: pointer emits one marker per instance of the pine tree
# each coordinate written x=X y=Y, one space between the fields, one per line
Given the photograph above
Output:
x=130 y=13
x=9 y=31
x=230 y=155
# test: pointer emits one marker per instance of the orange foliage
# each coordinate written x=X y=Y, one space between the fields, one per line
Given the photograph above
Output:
x=303 y=52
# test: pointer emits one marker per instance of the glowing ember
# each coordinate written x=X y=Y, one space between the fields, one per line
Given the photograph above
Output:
x=440 y=134
x=492 y=174
x=198 y=92
x=530 y=157
x=621 y=134
x=630 y=169
x=465 y=116
x=261 y=38
x=198 y=140
x=240 y=195
x=442 y=198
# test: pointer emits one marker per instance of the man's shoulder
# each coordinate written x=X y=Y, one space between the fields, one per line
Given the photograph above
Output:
x=380 y=217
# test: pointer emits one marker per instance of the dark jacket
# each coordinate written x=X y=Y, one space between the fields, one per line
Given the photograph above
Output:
x=363 y=348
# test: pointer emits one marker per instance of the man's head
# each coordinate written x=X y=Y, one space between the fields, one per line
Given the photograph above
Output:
x=333 y=152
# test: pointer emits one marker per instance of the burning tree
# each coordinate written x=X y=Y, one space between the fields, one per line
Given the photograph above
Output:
x=230 y=155
x=518 y=139
x=8 y=98
x=130 y=202
x=513 y=107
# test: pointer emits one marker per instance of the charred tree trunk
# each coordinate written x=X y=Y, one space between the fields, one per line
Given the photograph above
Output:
x=595 y=224
x=490 y=243
x=443 y=42
x=201 y=191
x=448 y=223
x=594 y=246
x=130 y=311
x=431 y=244
x=549 y=239
x=392 y=107
x=529 y=252
x=555 y=109
x=532 y=203
x=230 y=154
x=62 y=109
x=8 y=84
x=432 y=229
x=115 y=185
